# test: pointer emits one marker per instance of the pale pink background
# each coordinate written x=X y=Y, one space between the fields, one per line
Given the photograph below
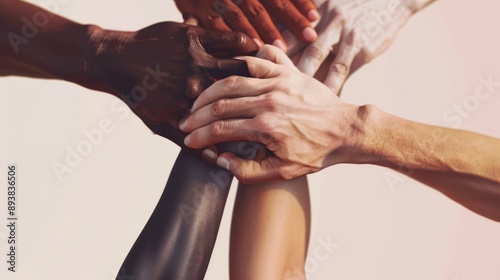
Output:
x=381 y=230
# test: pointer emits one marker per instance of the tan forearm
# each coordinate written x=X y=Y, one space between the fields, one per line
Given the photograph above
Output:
x=395 y=142
x=270 y=230
x=463 y=165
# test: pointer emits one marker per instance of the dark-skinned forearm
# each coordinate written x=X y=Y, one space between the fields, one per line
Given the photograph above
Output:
x=37 y=43
x=178 y=239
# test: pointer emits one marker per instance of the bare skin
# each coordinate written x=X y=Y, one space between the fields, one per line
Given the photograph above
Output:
x=271 y=225
x=270 y=231
x=158 y=86
x=284 y=107
x=253 y=17
x=178 y=240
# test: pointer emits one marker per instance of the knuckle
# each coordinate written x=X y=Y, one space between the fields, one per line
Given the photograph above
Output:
x=340 y=68
x=265 y=124
x=316 y=52
x=234 y=15
x=217 y=129
x=271 y=102
x=282 y=6
x=230 y=84
x=255 y=9
x=219 y=107
x=283 y=174
x=339 y=15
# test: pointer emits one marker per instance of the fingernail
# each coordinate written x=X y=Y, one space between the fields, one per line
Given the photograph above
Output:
x=186 y=140
x=278 y=43
x=258 y=42
x=193 y=108
x=309 y=34
x=182 y=124
x=223 y=163
x=313 y=15
x=211 y=155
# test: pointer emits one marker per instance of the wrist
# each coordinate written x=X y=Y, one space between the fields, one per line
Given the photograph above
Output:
x=370 y=131
x=69 y=51
x=102 y=46
x=349 y=137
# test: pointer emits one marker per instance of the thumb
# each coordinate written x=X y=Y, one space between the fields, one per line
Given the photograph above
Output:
x=228 y=44
x=221 y=68
x=275 y=55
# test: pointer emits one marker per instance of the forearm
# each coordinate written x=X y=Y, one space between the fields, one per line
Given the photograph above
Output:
x=178 y=239
x=463 y=165
x=37 y=43
x=270 y=230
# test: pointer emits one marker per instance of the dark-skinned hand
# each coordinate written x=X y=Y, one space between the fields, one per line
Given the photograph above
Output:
x=253 y=17
x=159 y=70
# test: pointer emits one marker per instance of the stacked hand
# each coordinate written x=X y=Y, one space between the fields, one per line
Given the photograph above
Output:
x=159 y=71
x=253 y=17
x=354 y=31
x=253 y=109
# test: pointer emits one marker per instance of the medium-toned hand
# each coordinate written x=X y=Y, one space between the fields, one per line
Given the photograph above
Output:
x=304 y=126
x=160 y=70
x=253 y=17
x=355 y=32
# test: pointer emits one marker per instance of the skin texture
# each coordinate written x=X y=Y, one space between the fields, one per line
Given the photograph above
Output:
x=270 y=231
x=283 y=107
x=271 y=226
x=253 y=17
x=158 y=86
x=351 y=34
x=178 y=239
x=257 y=261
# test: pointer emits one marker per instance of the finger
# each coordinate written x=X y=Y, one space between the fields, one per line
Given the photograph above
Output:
x=316 y=53
x=262 y=22
x=275 y=55
x=215 y=22
x=232 y=87
x=222 y=131
x=294 y=44
x=220 y=68
x=228 y=44
x=222 y=109
x=287 y=13
x=249 y=171
x=238 y=21
x=307 y=8
x=339 y=69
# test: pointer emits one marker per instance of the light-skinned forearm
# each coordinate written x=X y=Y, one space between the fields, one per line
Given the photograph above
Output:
x=463 y=165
